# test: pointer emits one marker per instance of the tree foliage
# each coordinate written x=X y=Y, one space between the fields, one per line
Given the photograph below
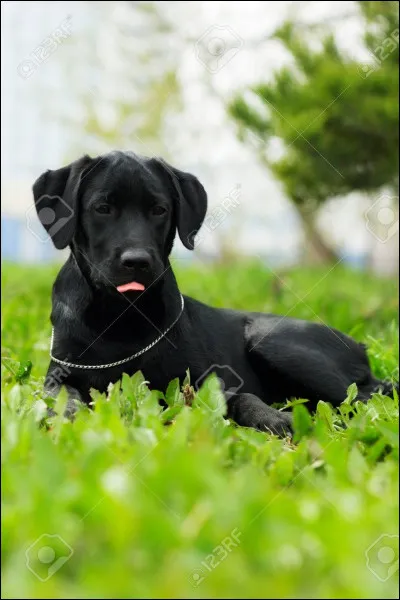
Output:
x=133 y=83
x=336 y=119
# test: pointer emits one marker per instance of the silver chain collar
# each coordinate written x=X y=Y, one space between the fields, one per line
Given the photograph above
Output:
x=118 y=362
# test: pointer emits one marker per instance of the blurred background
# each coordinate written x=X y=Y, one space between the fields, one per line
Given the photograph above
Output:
x=286 y=111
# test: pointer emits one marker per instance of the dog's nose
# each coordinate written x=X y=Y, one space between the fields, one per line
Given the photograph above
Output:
x=136 y=259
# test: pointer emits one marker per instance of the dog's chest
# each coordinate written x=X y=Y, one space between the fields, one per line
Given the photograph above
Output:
x=158 y=365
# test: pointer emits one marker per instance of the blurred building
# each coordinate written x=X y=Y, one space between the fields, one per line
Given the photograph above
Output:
x=31 y=140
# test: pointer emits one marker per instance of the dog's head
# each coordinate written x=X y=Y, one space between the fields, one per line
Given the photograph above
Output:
x=120 y=212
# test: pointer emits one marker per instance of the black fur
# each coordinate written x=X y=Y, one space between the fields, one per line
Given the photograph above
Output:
x=261 y=359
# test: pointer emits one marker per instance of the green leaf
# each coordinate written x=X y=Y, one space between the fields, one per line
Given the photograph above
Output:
x=173 y=394
x=210 y=397
x=23 y=372
x=352 y=392
x=284 y=468
x=129 y=390
x=302 y=422
x=390 y=432
x=357 y=465
x=170 y=413
x=295 y=402
x=149 y=402
x=137 y=381
x=324 y=411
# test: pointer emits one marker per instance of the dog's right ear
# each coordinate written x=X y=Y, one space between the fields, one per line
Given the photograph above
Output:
x=56 y=200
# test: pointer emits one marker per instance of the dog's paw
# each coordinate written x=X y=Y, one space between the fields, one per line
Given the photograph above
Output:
x=387 y=388
x=248 y=410
x=279 y=424
x=74 y=401
x=384 y=387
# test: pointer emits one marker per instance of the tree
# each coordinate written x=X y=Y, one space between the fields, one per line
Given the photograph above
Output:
x=123 y=71
x=334 y=119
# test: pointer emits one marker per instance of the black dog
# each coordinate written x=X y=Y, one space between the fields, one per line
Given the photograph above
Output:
x=116 y=297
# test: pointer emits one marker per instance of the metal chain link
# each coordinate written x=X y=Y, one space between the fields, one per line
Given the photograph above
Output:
x=118 y=362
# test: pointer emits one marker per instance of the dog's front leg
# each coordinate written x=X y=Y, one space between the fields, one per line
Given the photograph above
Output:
x=56 y=379
x=248 y=410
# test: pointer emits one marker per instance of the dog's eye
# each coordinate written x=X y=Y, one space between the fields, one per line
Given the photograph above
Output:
x=103 y=209
x=158 y=210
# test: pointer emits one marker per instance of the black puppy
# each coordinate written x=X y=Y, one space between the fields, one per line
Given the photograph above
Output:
x=117 y=307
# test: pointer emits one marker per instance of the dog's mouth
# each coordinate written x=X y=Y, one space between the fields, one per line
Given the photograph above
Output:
x=132 y=286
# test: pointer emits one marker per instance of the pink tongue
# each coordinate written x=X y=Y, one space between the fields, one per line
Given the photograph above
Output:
x=133 y=285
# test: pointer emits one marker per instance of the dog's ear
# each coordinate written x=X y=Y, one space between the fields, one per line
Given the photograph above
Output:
x=190 y=202
x=56 y=200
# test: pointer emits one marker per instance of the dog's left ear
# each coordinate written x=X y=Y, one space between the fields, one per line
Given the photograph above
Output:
x=56 y=200
x=190 y=203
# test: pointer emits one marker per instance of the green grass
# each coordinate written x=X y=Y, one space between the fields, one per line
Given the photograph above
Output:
x=150 y=502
